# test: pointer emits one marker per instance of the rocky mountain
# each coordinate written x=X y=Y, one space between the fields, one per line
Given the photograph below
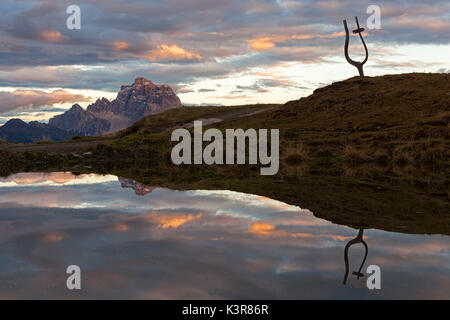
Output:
x=132 y=103
x=80 y=122
x=16 y=130
x=101 y=105
x=143 y=98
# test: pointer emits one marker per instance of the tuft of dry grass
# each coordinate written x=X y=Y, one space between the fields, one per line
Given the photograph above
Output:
x=354 y=156
x=296 y=154
x=433 y=155
x=402 y=159
x=381 y=158
x=296 y=171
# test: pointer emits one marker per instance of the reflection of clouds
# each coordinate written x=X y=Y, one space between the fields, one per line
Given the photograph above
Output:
x=262 y=228
x=53 y=237
x=121 y=227
x=53 y=179
x=248 y=199
x=194 y=244
x=39 y=198
x=173 y=220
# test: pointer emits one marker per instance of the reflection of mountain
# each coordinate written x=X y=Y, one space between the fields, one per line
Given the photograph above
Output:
x=139 y=188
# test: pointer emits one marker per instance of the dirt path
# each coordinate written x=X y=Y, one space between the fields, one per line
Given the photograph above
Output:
x=228 y=115
x=63 y=147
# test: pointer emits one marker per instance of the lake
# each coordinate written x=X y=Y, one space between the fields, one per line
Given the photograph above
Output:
x=144 y=242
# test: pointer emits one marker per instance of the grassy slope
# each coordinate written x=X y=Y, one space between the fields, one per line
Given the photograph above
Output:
x=395 y=114
x=365 y=152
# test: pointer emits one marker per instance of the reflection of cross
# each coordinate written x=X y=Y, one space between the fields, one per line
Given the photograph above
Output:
x=358 y=65
x=358 y=239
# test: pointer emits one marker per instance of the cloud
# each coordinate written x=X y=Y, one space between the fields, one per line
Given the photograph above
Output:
x=330 y=5
x=52 y=36
x=261 y=44
x=172 y=52
x=120 y=45
x=35 y=99
x=266 y=43
x=431 y=24
x=206 y=90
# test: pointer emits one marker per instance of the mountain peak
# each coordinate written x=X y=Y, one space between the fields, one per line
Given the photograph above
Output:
x=76 y=107
x=133 y=102
x=144 y=98
x=101 y=105
x=141 y=81
x=79 y=121
x=14 y=123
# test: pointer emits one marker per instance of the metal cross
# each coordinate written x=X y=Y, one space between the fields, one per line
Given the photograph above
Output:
x=358 y=65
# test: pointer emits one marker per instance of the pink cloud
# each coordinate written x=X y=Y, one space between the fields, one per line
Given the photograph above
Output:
x=36 y=99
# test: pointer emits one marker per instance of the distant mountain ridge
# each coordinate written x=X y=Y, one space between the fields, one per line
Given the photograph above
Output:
x=16 y=130
x=132 y=103
x=80 y=122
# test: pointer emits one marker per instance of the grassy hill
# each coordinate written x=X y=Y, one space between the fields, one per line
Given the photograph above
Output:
x=401 y=118
x=364 y=152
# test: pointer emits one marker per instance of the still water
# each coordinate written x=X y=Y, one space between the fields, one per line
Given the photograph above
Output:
x=145 y=242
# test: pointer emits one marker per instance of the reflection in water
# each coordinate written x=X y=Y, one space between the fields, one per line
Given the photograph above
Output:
x=358 y=239
x=199 y=244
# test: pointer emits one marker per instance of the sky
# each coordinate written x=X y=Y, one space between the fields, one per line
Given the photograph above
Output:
x=212 y=52
x=197 y=244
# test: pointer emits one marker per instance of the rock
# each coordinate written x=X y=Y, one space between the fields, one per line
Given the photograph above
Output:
x=100 y=105
x=144 y=98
